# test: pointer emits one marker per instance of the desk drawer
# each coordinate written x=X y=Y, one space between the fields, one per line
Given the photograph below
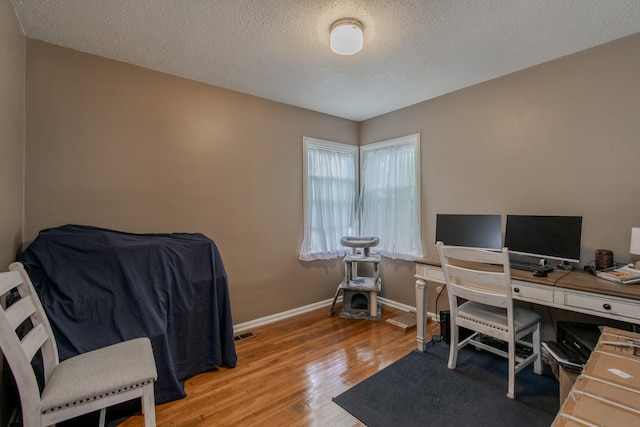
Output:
x=427 y=272
x=530 y=292
x=435 y=274
x=609 y=305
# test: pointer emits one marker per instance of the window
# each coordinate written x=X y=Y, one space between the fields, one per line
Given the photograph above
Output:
x=390 y=205
x=330 y=189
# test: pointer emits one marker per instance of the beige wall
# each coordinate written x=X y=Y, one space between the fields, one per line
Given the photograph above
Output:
x=567 y=131
x=118 y=146
x=12 y=93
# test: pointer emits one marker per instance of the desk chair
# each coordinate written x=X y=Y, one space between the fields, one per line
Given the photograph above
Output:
x=85 y=383
x=471 y=274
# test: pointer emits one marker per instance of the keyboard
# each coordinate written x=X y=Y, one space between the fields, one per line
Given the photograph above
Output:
x=530 y=267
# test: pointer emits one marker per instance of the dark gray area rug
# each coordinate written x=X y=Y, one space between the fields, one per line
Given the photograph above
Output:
x=419 y=390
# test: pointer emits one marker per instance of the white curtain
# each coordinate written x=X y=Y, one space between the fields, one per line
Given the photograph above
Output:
x=390 y=204
x=330 y=194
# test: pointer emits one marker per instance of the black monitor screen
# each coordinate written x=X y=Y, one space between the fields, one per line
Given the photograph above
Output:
x=475 y=231
x=555 y=237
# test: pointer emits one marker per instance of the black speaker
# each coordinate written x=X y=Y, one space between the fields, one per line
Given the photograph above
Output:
x=445 y=328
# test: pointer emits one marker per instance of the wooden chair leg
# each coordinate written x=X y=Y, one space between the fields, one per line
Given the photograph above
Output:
x=148 y=406
x=537 y=364
x=453 y=347
x=103 y=417
x=512 y=369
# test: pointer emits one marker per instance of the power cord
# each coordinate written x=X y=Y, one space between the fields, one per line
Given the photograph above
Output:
x=590 y=267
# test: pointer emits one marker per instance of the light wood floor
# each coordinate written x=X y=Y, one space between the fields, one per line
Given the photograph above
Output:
x=289 y=371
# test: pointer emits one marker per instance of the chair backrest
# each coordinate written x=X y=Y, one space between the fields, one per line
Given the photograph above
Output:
x=476 y=275
x=20 y=351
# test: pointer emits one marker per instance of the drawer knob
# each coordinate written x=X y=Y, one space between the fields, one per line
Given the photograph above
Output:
x=606 y=306
x=516 y=290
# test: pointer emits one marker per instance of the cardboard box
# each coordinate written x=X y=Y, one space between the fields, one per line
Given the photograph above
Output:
x=612 y=368
x=620 y=332
x=607 y=392
x=567 y=380
x=565 y=421
x=599 y=412
x=613 y=393
x=621 y=345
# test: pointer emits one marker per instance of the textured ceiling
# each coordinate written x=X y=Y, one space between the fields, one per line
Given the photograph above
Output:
x=278 y=49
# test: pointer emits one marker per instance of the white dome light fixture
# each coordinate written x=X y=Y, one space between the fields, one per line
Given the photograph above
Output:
x=346 y=36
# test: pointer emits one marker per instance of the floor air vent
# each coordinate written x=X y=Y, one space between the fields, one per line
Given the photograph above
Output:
x=243 y=336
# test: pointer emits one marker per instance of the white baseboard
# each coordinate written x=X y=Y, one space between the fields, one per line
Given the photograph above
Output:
x=241 y=327
x=280 y=316
x=405 y=307
x=397 y=305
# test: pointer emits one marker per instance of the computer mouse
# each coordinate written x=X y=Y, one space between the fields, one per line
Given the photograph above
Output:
x=540 y=273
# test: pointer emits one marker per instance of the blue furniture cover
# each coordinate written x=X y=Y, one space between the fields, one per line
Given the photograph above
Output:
x=99 y=287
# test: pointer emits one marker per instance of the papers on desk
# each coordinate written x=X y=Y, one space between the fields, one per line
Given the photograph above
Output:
x=625 y=275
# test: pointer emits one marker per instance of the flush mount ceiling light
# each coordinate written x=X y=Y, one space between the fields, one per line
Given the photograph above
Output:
x=346 y=36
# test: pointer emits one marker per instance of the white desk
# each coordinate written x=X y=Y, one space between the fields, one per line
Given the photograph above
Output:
x=573 y=291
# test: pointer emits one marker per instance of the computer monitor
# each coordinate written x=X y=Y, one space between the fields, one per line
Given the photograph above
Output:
x=476 y=231
x=544 y=237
